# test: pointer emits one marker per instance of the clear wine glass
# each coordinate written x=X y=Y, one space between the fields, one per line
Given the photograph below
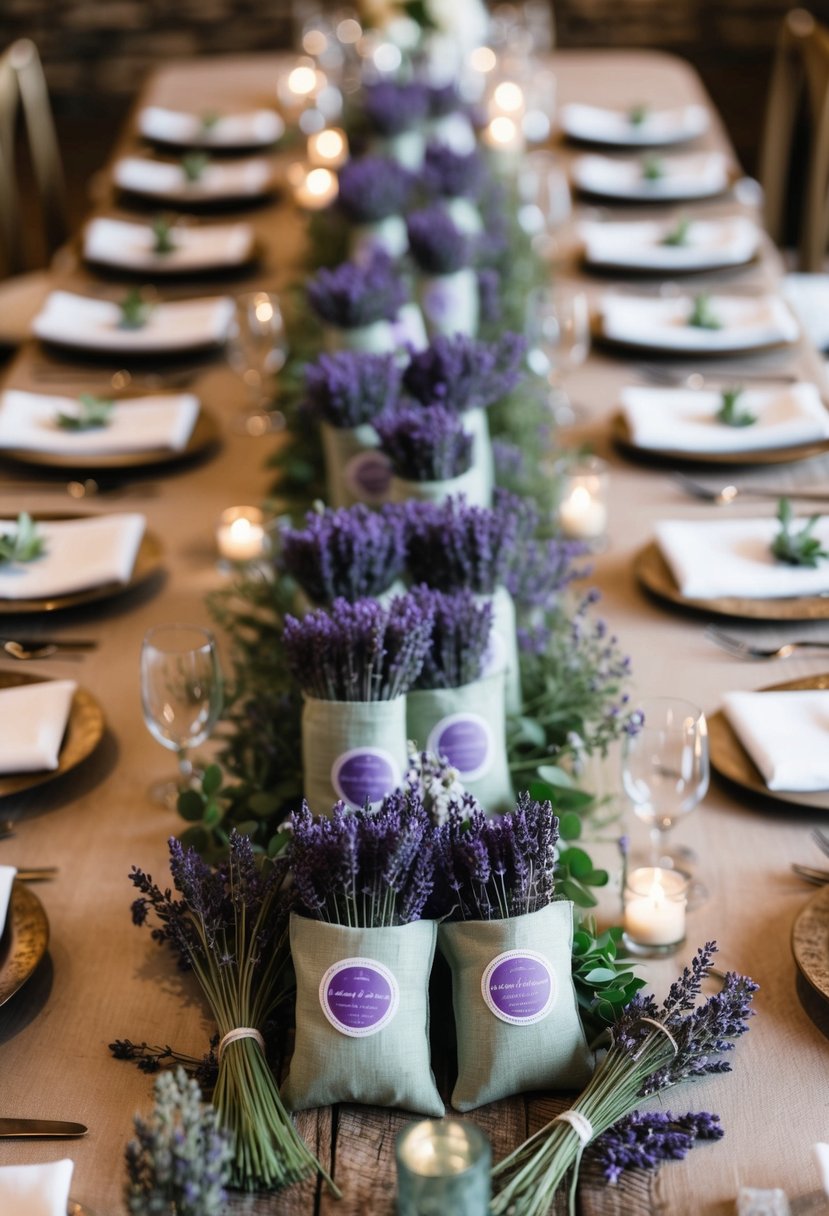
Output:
x=665 y=769
x=545 y=205
x=181 y=695
x=257 y=351
x=557 y=328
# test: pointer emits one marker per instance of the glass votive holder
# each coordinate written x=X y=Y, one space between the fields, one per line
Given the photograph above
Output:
x=582 y=506
x=655 y=902
x=241 y=535
x=443 y=1166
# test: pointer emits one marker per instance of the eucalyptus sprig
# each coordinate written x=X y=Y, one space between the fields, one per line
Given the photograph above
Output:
x=209 y=119
x=653 y=168
x=194 y=164
x=135 y=310
x=92 y=412
x=730 y=413
x=678 y=235
x=797 y=548
x=163 y=241
x=637 y=114
x=702 y=313
x=24 y=544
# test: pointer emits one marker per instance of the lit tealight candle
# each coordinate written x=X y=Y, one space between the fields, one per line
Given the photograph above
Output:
x=328 y=148
x=442 y=1166
x=317 y=189
x=507 y=98
x=582 y=509
x=655 y=903
x=505 y=139
x=241 y=534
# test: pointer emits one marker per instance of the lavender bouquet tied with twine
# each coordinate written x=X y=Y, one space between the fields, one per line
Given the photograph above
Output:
x=355 y=294
x=364 y=869
x=461 y=633
x=453 y=547
x=372 y=188
x=352 y=553
x=653 y=1048
x=450 y=174
x=436 y=243
x=392 y=107
x=463 y=373
x=358 y=652
x=425 y=443
x=229 y=926
x=350 y=388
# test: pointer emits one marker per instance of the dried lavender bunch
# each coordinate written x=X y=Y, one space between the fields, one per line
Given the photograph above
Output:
x=365 y=869
x=393 y=107
x=492 y=869
x=653 y=1048
x=351 y=553
x=450 y=174
x=373 y=188
x=358 y=652
x=463 y=373
x=229 y=925
x=350 y=388
x=461 y=632
x=152 y=1058
x=354 y=294
x=453 y=547
x=644 y=1139
x=180 y=1159
x=436 y=243
x=425 y=443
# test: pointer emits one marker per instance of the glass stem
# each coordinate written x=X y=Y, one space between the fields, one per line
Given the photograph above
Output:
x=657 y=837
x=185 y=768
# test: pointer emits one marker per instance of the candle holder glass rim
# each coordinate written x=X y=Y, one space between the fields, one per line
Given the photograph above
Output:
x=645 y=886
x=479 y=1146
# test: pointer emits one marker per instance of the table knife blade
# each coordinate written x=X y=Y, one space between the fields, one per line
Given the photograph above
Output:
x=37 y=1128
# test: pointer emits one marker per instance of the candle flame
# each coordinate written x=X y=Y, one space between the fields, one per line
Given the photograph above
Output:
x=320 y=182
x=509 y=97
x=502 y=130
x=302 y=81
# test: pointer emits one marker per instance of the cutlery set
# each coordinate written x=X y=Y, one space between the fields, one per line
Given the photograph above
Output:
x=24 y=649
x=728 y=493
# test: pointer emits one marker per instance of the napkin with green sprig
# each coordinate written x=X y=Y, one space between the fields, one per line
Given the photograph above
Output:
x=702 y=314
x=92 y=412
x=730 y=412
x=799 y=548
x=24 y=544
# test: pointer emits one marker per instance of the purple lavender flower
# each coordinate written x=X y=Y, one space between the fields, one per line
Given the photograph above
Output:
x=644 y=1139
x=351 y=553
x=436 y=243
x=358 y=652
x=354 y=294
x=373 y=188
x=392 y=107
x=461 y=631
x=463 y=373
x=545 y=569
x=453 y=547
x=450 y=174
x=425 y=443
x=489 y=295
x=350 y=388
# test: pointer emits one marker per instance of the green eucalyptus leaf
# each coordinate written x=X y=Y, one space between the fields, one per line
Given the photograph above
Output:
x=600 y=975
x=577 y=861
x=195 y=838
x=572 y=890
x=191 y=805
x=569 y=826
x=212 y=780
x=557 y=777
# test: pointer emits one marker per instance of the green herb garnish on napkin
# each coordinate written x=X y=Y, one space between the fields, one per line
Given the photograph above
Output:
x=135 y=310
x=92 y=412
x=796 y=548
x=730 y=413
x=163 y=234
x=702 y=314
x=637 y=114
x=653 y=168
x=24 y=544
x=678 y=235
x=193 y=165
x=209 y=119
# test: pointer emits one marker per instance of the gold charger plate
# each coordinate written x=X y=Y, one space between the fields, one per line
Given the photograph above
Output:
x=731 y=760
x=84 y=731
x=654 y=574
x=204 y=433
x=810 y=942
x=24 y=940
x=620 y=434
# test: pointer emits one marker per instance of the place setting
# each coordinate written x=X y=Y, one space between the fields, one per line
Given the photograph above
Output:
x=211 y=129
x=167 y=246
x=674 y=178
x=680 y=244
x=197 y=180
x=638 y=126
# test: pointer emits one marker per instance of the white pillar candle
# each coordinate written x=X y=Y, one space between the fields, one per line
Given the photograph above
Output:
x=328 y=149
x=241 y=535
x=655 y=902
x=582 y=509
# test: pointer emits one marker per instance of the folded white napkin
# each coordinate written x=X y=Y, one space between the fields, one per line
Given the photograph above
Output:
x=600 y=125
x=33 y=721
x=732 y=557
x=79 y=554
x=91 y=324
x=163 y=180
x=142 y=424
x=694 y=175
x=685 y=420
x=808 y=295
x=786 y=734
x=35 y=1190
x=124 y=244
x=7 y=874
x=639 y=246
x=656 y=323
x=244 y=130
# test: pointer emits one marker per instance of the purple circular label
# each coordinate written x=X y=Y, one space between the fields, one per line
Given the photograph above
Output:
x=368 y=476
x=365 y=773
x=359 y=996
x=519 y=987
x=466 y=742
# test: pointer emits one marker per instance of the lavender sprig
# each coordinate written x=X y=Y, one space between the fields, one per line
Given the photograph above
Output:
x=350 y=388
x=425 y=443
x=351 y=553
x=392 y=107
x=453 y=547
x=450 y=174
x=436 y=243
x=373 y=188
x=358 y=652
x=644 y=1139
x=461 y=632
x=354 y=294
x=465 y=374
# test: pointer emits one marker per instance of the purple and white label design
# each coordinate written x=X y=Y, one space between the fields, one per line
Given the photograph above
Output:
x=368 y=476
x=519 y=987
x=466 y=741
x=359 y=996
x=365 y=773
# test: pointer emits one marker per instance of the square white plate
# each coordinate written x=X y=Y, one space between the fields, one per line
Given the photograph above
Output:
x=654 y=323
x=689 y=176
x=252 y=129
x=598 y=125
x=168 y=182
x=28 y=423
x=91 y=324
x=710 y=244
x=131 y=246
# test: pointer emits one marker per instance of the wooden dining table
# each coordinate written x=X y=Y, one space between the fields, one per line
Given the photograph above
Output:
x=103 y=979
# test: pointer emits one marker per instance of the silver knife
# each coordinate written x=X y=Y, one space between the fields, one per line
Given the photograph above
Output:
x=57 y=1128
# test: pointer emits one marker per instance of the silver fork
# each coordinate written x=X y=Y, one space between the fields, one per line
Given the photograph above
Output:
x=745 y=650
x=672 y=376
x=821 y=840
x=728 y=493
